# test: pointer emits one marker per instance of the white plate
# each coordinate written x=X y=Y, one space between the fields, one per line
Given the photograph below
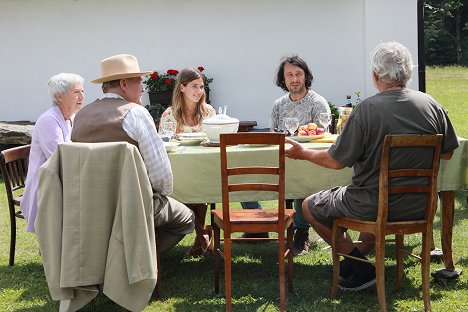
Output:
x=306 y=138
x=171 y=146
x=254 y=145
x=189 y=142
x=192 y=135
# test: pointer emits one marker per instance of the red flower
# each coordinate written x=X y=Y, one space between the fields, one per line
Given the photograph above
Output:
x=172 y=72
x=168 y=81
x=201 y=68
x=154 y=75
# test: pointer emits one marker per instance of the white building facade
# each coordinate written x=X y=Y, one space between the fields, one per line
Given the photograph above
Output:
x=240 y=44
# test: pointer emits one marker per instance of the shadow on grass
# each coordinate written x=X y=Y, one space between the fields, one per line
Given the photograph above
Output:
x=187 y=283
x=255 y=283
x=30 y=280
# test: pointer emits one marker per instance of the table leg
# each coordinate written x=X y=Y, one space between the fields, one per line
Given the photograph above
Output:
x=447 y=215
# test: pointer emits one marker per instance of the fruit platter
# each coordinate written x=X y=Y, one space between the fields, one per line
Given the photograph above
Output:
x=307 y=133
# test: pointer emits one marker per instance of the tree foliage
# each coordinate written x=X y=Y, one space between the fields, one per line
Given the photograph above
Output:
x=446 y=32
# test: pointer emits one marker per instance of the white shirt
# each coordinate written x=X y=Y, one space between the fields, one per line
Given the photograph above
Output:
x=139 y=125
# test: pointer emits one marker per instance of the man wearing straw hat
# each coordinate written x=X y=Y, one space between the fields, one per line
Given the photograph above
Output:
x=119 y=116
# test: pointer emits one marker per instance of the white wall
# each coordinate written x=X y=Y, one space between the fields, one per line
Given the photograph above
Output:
x=239 y=43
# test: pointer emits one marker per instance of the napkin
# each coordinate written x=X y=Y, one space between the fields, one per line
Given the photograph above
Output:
x=326 y=139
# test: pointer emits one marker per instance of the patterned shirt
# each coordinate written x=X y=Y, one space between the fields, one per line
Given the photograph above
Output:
x=168 y=115
x=139 y=125
x=307 y=109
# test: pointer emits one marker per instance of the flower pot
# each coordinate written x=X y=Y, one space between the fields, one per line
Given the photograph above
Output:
x=162 y=98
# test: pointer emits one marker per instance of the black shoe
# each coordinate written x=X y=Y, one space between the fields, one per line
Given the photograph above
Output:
x=253 y=235
x=357 y=282
x=301 y=242
x=346 y=268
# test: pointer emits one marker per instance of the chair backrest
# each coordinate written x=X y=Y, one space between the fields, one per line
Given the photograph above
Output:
x=422 y=179
x=14 y=167
x=226 y=171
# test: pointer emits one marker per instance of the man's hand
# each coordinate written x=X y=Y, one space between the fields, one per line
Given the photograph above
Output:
x=319 y=157
x=296 y=151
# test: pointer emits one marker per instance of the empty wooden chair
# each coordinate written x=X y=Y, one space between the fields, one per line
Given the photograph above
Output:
x=253 y=220
x=14 y=168
x=381 y=227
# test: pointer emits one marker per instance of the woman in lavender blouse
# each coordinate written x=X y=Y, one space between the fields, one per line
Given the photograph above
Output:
x=52 y=128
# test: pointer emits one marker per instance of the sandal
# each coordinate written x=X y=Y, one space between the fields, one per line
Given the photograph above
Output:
x=197 y=250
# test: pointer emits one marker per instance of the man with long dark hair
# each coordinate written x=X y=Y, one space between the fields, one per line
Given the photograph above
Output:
x=295 y=77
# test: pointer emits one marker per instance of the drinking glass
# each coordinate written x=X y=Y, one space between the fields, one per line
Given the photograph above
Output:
x=291 y=123
x=168 y=129
x=325 y=120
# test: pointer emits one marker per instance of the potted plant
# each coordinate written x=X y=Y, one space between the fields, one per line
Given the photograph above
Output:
x=160 y=87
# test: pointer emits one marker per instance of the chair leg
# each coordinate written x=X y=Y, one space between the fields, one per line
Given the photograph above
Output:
x=227 y=271
x=12 y=238
x=380 y=270
x=290 y=258
x=425 y=268
x=336 y=262
x=399 y=260
x=216 y=234
x=282 y=290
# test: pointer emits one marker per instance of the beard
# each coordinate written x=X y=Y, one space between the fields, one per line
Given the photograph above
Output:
x=300 y=89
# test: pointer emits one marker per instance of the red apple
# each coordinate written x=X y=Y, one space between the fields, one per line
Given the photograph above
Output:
x=320 y=131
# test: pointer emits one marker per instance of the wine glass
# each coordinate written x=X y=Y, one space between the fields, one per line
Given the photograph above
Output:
x=291 y=123
x=325 y=120
x=168 y=129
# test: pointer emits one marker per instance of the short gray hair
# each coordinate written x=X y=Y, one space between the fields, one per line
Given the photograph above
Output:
x=61 y=84
x=106 y=85
x=392 y=62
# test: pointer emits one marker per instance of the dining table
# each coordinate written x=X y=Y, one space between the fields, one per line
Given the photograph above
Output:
x=197 y=179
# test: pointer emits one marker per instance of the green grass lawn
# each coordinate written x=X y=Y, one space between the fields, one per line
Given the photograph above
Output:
x=449 y=86
x=187 y=284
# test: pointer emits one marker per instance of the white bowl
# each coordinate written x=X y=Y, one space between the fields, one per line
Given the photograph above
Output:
x=214 y=127
x=171 y=146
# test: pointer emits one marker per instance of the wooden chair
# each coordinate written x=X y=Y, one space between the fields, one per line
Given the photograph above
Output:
x=252 y=220
x=14 y=167
x=380 y=228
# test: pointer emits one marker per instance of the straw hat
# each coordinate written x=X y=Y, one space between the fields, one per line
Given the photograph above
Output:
x=119 y=66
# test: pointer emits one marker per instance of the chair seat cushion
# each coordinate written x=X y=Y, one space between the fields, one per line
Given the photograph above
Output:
x=395 y=227
x=254 y=216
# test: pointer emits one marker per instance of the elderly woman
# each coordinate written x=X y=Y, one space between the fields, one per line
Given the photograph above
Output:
x=52 y=128
x=187 y=112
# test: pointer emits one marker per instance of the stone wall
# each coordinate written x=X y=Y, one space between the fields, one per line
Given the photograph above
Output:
x=15 y=132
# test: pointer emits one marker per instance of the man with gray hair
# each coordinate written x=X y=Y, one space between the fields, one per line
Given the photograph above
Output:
x=395 y=109
x=119 y=116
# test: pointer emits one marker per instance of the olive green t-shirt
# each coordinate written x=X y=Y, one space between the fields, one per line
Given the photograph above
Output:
x=360 y=144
